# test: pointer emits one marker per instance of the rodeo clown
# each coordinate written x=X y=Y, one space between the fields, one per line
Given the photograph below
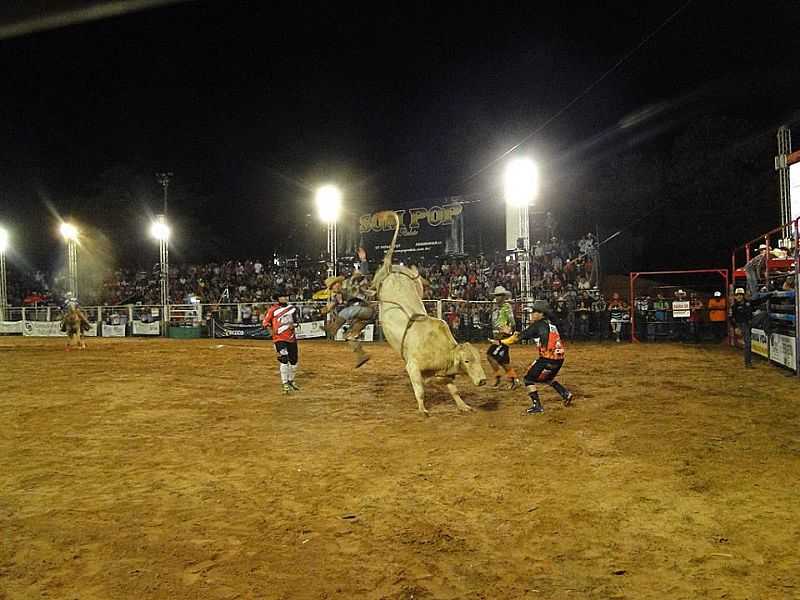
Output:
x=502 y=326
x=281 y=319
x=551 y=356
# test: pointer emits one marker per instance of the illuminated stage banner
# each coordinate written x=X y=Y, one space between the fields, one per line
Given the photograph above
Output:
x=435 y=230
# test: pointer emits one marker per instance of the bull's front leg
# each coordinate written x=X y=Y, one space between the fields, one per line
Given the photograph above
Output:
x=415 y=376
x=462 y=406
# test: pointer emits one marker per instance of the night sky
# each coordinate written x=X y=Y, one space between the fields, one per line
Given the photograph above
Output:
x=253 y=108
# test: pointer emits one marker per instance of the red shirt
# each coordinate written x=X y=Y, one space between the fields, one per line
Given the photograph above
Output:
x=281 y=320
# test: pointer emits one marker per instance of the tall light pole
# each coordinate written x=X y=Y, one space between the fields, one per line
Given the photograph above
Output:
x=160 y=231
x=329 y=204
x=163 y=179
x=70 y=234
x=3 y=288
x=521 y=187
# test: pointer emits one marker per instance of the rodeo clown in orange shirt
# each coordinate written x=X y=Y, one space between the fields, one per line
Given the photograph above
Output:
x=551 y=356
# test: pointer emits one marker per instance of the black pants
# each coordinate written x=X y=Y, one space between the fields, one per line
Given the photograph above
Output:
x=543 y=370
x=747 y=336
x=287 y=352
x=499 y=353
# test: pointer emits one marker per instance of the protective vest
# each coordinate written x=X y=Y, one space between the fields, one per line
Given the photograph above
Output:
x=554 y=349
x=717 y=309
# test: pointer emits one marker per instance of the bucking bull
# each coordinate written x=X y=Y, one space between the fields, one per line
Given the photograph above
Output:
x=426 y=344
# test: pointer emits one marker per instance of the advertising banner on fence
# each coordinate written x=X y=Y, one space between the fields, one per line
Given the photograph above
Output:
x=314 y=329
x=759 y=343
x=140 y=328
x=681 y=309
x=113 y=330
x=366 y=336
x=51 y=329
x=42 y=329
x=11 y=327
x=781 y=350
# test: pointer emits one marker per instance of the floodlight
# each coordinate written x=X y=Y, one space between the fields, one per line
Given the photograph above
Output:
x=329 y=203
x=160 y=231
x=3 y=240
x=69 y=232
x=521 y=182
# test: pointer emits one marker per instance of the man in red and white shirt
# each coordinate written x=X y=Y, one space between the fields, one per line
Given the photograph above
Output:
x=281 y=319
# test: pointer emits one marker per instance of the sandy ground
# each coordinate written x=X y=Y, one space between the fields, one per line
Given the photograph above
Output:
x=170 y=469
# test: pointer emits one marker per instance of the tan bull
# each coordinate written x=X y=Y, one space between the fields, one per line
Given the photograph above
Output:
x=426 y=344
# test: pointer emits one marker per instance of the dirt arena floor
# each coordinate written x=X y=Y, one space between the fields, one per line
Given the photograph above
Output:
x=171 y=469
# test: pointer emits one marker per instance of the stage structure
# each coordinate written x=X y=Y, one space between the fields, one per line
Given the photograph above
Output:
x=776 y=278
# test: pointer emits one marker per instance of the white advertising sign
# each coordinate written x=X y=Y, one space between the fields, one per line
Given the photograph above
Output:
x=113 y=330
x=140 y=328
x=781 y=350
x=681 y=309
x=92 y=332
x=366 y=336
x=313 y=329
x=794 y=189
x=42 y=329
x=11 y=327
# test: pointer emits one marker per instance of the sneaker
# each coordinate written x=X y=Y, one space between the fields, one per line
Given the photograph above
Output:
x=293 y=385
x=568 y=398
x=286 y=388
x=535 y=408
x=497 y=381
x=514 y=384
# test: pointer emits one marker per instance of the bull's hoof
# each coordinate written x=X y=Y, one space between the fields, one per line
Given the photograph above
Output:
x=424 y=412
x=361 y=361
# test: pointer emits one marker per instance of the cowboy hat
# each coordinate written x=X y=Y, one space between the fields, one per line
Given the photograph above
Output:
x=738 y=291
x=331 y=281
x=540 y=306
x=501 y=291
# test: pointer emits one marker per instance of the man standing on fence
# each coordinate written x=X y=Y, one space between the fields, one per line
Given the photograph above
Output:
x=503 y=325
x=551 y=356
x=281 y=319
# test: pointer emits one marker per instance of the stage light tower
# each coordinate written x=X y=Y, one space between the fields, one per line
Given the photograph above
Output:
x=160 y=231
x=521 y=187
x=329 y=204
x=3 y=288
x=70 y=234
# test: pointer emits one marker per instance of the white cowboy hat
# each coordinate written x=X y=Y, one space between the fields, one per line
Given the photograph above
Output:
x=738 y=291
x=501 y=291
x=718 y=294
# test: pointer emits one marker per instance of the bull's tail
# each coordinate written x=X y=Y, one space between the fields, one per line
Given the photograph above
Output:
x=387 y=259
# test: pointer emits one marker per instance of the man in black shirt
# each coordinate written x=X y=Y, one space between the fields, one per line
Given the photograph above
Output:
x=551 y=356
x=742 y=315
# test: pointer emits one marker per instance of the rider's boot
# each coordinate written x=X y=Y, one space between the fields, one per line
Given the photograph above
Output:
x=332 y=326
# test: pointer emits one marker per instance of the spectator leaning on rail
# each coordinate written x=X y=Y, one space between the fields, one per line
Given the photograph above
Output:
x=551 y=355
x=503 y=325
x=754 y=269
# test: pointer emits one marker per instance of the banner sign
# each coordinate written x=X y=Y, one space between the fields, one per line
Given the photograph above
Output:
x=681 y=309
x=759 y=342
x=113 y=330
x=92 y=331
x=367 y=335
x=11 y=327
x=314 y=329
x=42 y=329
x=240 y=330
x=781 y=350
x=436 y=230
x=140 y=328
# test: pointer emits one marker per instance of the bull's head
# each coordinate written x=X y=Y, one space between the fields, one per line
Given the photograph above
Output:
x=468 y=361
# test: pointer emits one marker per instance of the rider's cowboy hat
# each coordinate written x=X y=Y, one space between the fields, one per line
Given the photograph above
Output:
x=331 y=281
x=501 y=291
